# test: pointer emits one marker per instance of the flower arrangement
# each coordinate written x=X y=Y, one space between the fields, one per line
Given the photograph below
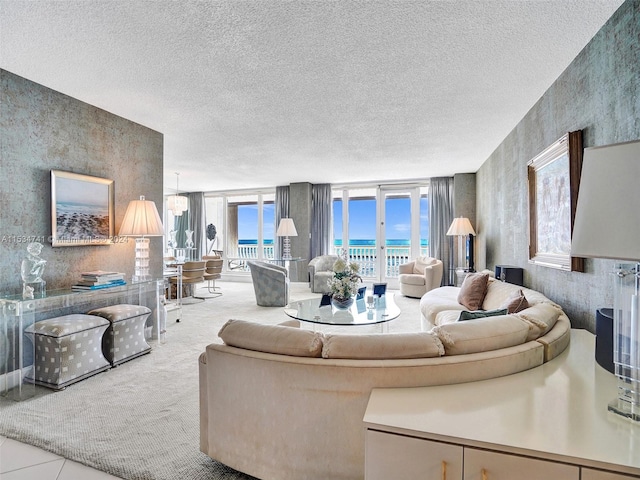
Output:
x=344 y=283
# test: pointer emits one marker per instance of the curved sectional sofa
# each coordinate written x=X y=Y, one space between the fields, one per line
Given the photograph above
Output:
x=279 y=402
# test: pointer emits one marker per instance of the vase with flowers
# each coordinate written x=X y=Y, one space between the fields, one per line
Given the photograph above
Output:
x=344 y=284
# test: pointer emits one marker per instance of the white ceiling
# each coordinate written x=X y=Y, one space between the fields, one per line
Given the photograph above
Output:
x=269 y=92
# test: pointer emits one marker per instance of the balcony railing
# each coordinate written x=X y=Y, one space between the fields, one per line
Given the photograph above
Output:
x=365 y=256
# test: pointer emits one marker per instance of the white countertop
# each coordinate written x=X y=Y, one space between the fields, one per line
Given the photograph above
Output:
x=556 y=411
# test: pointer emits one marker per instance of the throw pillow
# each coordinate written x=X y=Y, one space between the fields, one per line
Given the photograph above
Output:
x=473 y=290
x=421 y=263
x=516 y=302
x=465 y=315
x=382 y=346
x=271 y=338
x=485 y=334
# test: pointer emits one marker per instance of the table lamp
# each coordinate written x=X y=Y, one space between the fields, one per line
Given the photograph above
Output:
x=286 y=229
x=141 y=220
x=461 y=227
x=606 y=226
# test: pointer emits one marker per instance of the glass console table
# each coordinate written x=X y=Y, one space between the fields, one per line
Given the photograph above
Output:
x=17 y=351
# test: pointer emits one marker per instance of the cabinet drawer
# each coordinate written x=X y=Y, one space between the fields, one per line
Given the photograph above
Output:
x=388 y=455
x=588 y=474
x=482 y=465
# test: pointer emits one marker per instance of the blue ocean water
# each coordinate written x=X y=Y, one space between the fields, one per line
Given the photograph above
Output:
x=70 y=208
x=338 y=243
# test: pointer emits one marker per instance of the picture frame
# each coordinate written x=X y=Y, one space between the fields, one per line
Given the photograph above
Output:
x=554 y=182
x=82 y=210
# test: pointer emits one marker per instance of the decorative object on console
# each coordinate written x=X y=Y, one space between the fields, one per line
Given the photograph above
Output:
x=31 y=272
x=99 y=279
x=461 y=228
x=188 y=243
x=177 y=203
x=141 y=220
x=606 y=226
x=554 y=179
x=286 y=229
x=81 y=210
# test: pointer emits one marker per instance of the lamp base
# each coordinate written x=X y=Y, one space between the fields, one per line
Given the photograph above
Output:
x=141 y=271
x=625 y=409
x=286 y=248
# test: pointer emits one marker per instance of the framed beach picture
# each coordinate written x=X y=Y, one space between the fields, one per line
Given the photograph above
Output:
x=82 y=209
x=554 y=180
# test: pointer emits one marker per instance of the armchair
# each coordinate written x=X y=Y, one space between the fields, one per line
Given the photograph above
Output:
x=418 y=277
x=320 y=272
x=270 y=283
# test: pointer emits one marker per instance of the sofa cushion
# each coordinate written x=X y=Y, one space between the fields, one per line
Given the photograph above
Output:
x=466 y=315
x=421 y=263
x=473 y=290
x=447 y=316
x=271 y=338
x=482 y=335
x=411 y=279
x=516 y=302
x=382 y=346
x=541 y=318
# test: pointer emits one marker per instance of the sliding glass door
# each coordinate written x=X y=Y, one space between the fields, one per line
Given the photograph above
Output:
x=381 y=227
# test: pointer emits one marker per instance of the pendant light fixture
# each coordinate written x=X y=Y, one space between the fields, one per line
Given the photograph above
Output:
x=177 y=203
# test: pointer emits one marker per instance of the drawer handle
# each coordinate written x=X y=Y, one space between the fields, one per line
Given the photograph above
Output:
x=444 y=470
x=484 y=474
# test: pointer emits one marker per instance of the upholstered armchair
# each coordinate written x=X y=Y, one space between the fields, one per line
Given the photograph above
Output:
x=420 y=276
x=271 y=284
x=320 y=272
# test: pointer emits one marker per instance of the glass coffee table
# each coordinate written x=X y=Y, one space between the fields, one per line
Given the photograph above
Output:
x=314 y=311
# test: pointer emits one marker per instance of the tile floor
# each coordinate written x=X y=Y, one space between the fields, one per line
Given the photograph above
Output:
x=19 y=461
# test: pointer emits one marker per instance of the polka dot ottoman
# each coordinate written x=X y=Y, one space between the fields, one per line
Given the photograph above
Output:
x=67 y=349
x=124 y=339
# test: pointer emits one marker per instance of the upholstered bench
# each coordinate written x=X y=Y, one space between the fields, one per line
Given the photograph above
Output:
x=124 y=339
x=67 y=349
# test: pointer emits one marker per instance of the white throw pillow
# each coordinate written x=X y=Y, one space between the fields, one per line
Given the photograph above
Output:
x=421 y=263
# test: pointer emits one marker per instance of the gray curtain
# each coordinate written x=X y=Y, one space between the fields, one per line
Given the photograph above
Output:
x=320 y=219
x=440 y=218
x=282 y=211
x=197 y=219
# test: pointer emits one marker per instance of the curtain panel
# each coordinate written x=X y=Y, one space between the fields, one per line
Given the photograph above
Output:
x=320 y=219
x=281 y=211
x=440 y=218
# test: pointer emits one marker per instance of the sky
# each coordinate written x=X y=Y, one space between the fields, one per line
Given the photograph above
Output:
x=362 y=220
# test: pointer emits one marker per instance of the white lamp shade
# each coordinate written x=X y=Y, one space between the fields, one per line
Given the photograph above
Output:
x=606 y=223
x=177 y=204
x=141 y=220
x=286 y=228
x=461 y=226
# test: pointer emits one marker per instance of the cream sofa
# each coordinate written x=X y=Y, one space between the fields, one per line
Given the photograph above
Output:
x=278 y=402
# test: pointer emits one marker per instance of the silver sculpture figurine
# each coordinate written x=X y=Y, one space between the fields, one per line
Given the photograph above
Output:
x=31 y=270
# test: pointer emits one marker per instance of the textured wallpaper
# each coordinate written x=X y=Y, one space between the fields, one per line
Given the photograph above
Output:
x=598 y=93
x=44 y=130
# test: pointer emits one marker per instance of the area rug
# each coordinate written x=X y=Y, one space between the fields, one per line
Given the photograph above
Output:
x=140 y=420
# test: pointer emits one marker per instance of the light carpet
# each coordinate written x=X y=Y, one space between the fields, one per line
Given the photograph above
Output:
x=140 y=421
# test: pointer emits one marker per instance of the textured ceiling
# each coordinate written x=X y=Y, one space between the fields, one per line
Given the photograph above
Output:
x=266 y=93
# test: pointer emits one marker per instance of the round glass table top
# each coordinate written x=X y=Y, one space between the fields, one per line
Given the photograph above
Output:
x=321 y=311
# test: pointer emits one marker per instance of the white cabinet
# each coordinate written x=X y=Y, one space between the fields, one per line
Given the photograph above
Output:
x=482 y=465
x=389 y=455
x=548 y=423
x=589 y=474
x=406 y=458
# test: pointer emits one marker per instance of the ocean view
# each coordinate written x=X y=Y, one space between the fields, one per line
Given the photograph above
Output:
x=352 y=243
